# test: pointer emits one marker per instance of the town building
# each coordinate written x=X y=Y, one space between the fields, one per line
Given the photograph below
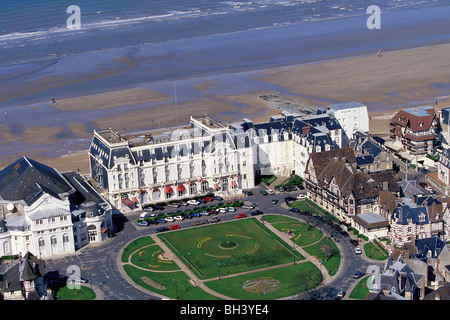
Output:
x=48 y=213
x=371 y=156
x=417 y=217
x=352 y=116
x=417 y=129
x=334 y=182
x=205 y=157
x=25 y=280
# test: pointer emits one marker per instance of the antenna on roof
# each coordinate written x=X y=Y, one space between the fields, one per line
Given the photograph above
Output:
x=176 y=102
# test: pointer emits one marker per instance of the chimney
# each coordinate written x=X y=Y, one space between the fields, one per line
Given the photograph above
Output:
x=385 y=185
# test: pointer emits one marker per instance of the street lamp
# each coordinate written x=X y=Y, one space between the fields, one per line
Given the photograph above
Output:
x=293 y=253
x=189 y=256
x=176 y=288
x=218 y=266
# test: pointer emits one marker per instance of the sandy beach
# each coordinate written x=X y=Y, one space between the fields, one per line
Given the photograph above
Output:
x=397 y=79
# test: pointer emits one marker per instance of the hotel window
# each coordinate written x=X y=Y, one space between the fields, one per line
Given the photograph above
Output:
x=51 y=220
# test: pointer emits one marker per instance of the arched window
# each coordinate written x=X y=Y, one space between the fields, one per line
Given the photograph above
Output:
x=192 y=188
x=6 y=247
x=205 y=186
x=66 y=242
x=92 y=231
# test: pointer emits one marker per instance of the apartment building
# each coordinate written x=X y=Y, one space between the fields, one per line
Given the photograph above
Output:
x=207 y=156
x=417 y=129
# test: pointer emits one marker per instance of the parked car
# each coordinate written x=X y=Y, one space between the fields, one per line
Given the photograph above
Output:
x=354 y=242
x=143 y=223
x=358 y=275
x=77 y=280
x=231 y=209
x=301 y=197
x=158 y=207
x=161 y=220
x=247 y=206
x=281 y=189
x=174 y=227
x=247 y=193
x=213 y=220
x=240 y=215
x=289 y=199
x=223 y=210
x=169 y=219
x=217 y=198
x=162 y=229
x=270 y=191
x=194 y=202
x=274 y=201
x=173 y=205
x=198 y=223
x=179 y=218
x=256 y=212
x=263 y=192
x=204 y=213
x=358 y=250
x=294 y=210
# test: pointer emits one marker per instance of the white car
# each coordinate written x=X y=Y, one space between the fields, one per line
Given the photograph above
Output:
x=231 y=209
x=301 y=196
x=223 y=210
x=170 y=219
x=358 y=250
x=179 y=218
x=194 y=202
x=270 y=191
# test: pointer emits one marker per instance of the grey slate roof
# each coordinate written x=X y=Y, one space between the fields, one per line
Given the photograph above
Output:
x=26 y=179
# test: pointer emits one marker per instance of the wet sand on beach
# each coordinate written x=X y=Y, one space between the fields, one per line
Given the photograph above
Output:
x=384 y=84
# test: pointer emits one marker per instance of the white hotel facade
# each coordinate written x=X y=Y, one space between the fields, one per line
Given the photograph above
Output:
x=206 y=157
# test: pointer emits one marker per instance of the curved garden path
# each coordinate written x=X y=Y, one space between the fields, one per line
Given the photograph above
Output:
x=201 y=282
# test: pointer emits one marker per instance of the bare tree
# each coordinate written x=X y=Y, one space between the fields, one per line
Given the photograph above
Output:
x=327 y=250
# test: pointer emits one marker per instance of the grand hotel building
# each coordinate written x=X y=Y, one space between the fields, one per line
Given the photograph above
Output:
x=206 y=156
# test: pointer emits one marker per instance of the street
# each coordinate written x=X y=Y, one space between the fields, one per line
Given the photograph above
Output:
x=99 y=263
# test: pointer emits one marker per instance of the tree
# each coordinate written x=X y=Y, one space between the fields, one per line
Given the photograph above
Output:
x=327 y=250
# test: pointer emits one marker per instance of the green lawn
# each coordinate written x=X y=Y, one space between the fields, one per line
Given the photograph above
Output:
x=229 y=248
x=148 y=258
x=175 y=285
x=373 y=251
x=332 y=264
x=135 y=245
x=286 y=281
x=83 y=293
x=301 y=236
x=361 y=290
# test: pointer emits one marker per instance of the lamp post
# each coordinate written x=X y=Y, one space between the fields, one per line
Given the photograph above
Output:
x=189 y=256
x=176 y=288
x=218 y=266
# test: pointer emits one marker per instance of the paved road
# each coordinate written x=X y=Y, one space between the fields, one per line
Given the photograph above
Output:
x=99 y=263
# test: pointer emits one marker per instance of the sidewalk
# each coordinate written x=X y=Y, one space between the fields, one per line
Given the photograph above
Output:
x=326 y=277
x=186 y=269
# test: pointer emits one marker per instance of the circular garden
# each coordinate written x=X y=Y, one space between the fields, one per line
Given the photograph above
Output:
x=241 y=259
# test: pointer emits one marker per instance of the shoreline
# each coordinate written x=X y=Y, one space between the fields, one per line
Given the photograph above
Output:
x=60 y=134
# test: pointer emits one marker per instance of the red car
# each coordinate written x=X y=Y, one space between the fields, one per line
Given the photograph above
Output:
x=207 y=199
x=241 y=215
x=174 y=227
